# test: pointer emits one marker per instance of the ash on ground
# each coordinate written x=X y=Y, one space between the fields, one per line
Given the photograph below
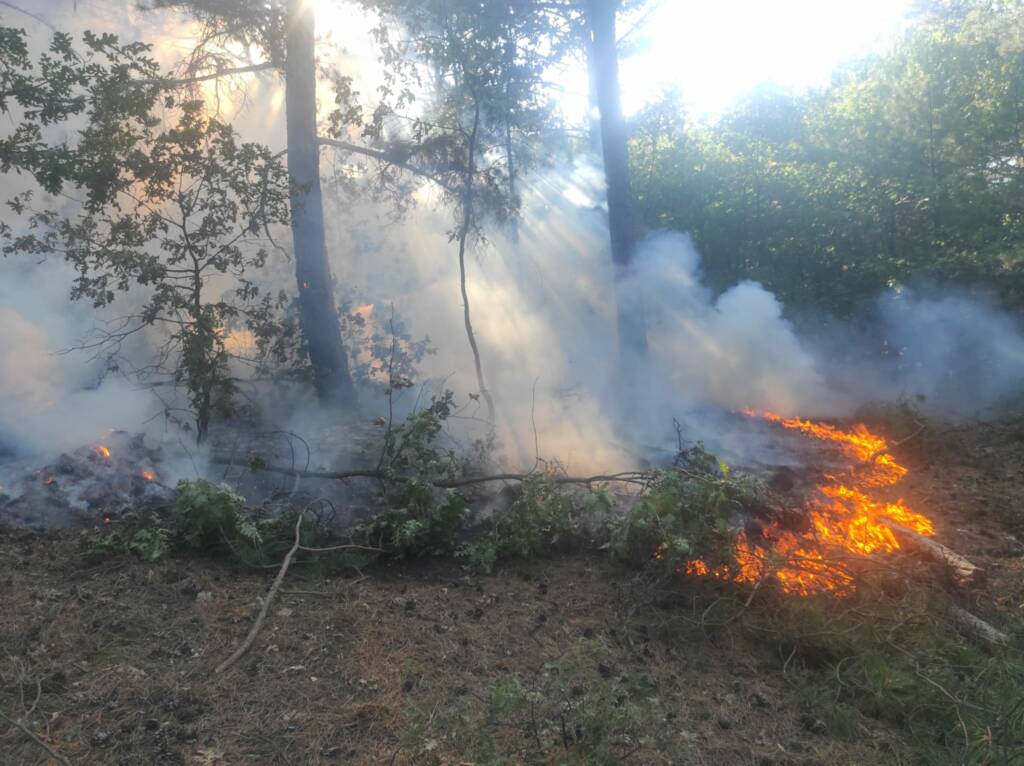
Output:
x=88 y=486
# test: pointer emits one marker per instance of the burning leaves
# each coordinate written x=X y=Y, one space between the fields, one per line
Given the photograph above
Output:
x=846 y=520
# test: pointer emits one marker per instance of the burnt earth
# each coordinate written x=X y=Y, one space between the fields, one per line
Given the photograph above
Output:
x=85 y=487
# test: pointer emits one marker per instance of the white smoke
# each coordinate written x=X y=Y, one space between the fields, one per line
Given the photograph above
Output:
x=956 y=354
x=735 y=350
x=544 y=308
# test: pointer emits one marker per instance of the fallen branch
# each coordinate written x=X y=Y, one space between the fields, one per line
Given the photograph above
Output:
x=978 y=628
x=32 y=735
x=627 y=477
x=261 y=618
x=965 y=573
x=244 y=647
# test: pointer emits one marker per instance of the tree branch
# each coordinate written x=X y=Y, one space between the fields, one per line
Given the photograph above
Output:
x=255 y=629
x=263 y=67
x=386 y=157
x=625 y=477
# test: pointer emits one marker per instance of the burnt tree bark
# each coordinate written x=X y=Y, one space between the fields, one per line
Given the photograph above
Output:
x=317 y=310
x=604 y=68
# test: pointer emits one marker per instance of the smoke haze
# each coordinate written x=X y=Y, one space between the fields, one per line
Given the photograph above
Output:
x=544 y=308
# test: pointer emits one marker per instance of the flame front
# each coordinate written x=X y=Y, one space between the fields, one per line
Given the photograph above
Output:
x=103 y=452
x=845 y=520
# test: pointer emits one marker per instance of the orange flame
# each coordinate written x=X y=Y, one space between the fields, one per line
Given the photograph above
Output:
x=148 y=475
x=103 y=452
x=845 y=521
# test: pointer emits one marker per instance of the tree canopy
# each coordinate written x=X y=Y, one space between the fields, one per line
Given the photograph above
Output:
x=908 y=166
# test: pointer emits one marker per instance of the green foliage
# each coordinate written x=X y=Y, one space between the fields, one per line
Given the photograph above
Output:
x=383 y=350
x=536 y=521
x=207 y=514
x=685 y=514
x=150 y=543
x=906 y=167
x=411 y=448
x=427 y=529
x=425 y=520
x=173 y=202
x=210 y=519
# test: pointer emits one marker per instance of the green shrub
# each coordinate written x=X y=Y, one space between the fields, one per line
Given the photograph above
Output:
x=423 y=528
x=150 y=543
x=423 y=520
x=685 y=514
x=539 y=518
x=207 y=515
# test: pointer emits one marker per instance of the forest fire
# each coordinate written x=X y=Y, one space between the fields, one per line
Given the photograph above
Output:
x=846 y=521
x=103 y=452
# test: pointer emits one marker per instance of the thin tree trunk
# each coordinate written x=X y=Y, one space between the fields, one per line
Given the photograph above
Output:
x=318 y=313
x=510 y=160
x=467 y=224
x=621 y=219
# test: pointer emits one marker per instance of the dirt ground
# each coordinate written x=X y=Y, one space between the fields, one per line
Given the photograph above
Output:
x=111 y=661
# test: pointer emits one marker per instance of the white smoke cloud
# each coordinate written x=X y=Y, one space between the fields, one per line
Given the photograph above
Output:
x=960 y=354
x=735 y=350
x=50 y=400
x=544 y=308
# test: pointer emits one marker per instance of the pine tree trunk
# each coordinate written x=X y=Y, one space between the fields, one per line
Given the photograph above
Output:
x=318 y=312
x=604 y=66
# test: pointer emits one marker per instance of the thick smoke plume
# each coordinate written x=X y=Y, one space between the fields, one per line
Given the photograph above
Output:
x=544 y=308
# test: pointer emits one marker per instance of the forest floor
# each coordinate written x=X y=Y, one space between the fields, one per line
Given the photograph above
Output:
x=566 y=660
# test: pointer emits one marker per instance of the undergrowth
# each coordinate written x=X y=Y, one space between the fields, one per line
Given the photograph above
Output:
x=898 y=659
x=687 y=512
x=577 y=710
x=889 y=653
x=208 y=519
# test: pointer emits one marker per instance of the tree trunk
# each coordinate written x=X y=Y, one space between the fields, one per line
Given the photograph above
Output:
x=604 y=66
x=318 y=313
x=467 y=224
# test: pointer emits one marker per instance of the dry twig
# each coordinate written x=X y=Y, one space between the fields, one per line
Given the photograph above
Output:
x=32 y=735
x=255 y=629
x=276 y=586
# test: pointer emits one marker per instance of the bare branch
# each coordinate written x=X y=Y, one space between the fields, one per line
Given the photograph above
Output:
x=49 y=750
x=388 y=158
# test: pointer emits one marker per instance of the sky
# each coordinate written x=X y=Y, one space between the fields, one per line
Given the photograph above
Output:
x=717 y=50
x=714 y=51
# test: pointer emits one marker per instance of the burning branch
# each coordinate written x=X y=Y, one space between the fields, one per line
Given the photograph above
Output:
x=965 y=573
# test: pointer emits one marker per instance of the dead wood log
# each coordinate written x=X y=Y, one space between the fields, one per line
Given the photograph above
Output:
x=978 y=628
x=965 y=573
